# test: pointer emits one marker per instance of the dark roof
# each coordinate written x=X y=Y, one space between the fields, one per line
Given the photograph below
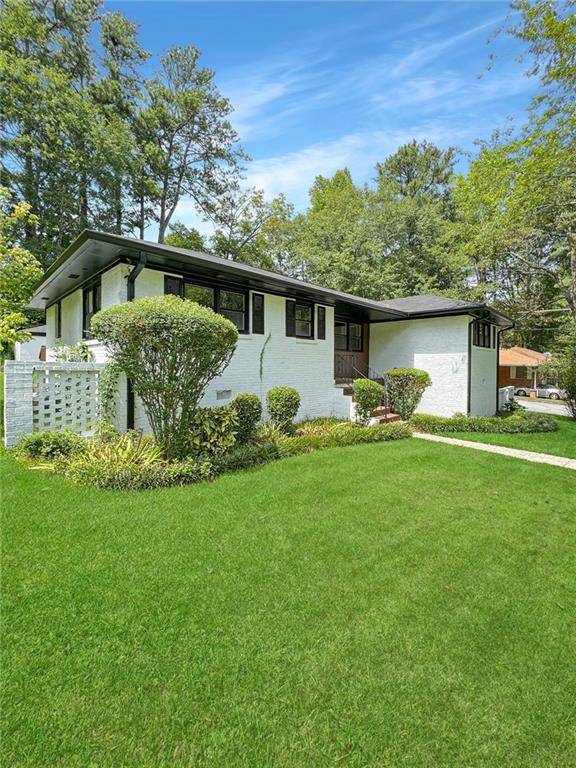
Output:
x=37 y=330
x=426 y=304
x=92 y=252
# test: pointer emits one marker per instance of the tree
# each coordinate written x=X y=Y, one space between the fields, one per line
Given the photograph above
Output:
x=189 y=145
x=182 y=236
x=170 y=350
x=20 y=271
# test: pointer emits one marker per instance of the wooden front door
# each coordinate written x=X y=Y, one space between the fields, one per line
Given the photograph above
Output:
x=351 y=344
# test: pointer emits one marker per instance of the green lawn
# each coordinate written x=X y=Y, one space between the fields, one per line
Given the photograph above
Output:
x=560 y=443
x=408 y=604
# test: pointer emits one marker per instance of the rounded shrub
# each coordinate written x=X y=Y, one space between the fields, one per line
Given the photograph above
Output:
x=283 y=404
x=248 y=412
x=170 y=349
x=404 y=389
x=367 y=395
x=51 y=445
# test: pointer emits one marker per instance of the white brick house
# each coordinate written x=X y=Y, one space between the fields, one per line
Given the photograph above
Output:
x=291 y=332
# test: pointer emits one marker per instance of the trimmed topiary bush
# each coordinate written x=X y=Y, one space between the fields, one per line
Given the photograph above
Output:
x=51 y=445
x=248 y=412
x=368 y=395
x=404 y=389
x=170 y=349
x=517 y=423
x=283 y=404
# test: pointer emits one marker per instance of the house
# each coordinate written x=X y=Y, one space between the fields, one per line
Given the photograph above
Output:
x=518 y=367
x=290 y=332
x=35 y=347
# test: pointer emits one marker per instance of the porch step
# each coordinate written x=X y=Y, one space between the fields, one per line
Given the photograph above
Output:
x=381 y=411
x=388 y=419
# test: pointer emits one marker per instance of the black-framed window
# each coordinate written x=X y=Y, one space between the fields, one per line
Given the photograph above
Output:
x=91 y=303
x=201 y=294
x=482 y=334
x=257 y=313
x=321 y=332
x=173 y=286
x=299 y=319
x=230 y=303
x=58 y=320
x=348 y=336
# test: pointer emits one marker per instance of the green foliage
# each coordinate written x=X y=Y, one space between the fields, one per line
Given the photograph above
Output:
x=51 y=445
x=340 y=435
x=368 y=395
x=19 y=270
x=404 y=389
x=213 y=431
x=282 y=404
x=78 y=353
x=565 y=360
x=512 y=406
x=181 y=236
x=170 y=349
x=318 y=426
x=516 y=423
x=249 y=412
x=248 y=455
x=107 y=394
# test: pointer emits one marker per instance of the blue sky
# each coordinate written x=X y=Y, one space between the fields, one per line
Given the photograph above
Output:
x=320 y=86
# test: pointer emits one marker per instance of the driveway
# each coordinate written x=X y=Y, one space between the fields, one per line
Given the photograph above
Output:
x=543 y=406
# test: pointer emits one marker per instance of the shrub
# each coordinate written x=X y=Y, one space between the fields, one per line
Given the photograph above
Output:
x=342 y=435
x=367 y=395
x=404 y=388
x=213 y=431
x=79 y=353
x=248 y=412
x=170 y=349
x=283 y=404
x=516 y=423
x=51 y=445
x=248 y=455
x=319 y=426
x=511 y=406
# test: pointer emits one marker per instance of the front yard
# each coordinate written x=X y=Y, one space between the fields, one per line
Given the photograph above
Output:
x=408 y=604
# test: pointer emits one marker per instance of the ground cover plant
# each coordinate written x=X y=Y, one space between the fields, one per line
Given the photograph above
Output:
x=401 y=605
x=561 y=442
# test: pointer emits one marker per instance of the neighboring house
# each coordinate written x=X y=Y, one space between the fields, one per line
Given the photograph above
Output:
x=518 y=367
x=291 y=332
x=33 y=349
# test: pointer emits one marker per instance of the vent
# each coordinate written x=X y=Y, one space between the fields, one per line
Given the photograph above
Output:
x=72 y=276
x=223 y=394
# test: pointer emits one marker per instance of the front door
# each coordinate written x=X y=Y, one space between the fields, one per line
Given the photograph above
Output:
x=351 y=342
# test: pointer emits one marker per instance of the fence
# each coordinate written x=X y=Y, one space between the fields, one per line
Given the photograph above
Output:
x=43 y=397
x=505 y=395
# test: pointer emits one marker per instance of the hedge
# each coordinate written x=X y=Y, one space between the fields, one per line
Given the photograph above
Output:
x=517 y=423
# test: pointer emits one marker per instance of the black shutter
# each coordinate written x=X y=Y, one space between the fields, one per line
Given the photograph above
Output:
x=173 y=285
x=257 y=313
x=290 y=318
x=321 y=322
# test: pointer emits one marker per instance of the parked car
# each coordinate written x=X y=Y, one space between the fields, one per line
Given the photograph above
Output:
x=544 y=390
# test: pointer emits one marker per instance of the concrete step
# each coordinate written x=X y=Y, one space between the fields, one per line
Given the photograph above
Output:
x=381 y=411
x=388 y=419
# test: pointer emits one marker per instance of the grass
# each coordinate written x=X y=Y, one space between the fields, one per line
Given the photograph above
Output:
x=559 y=443
x=540 y=400
x=408 y=604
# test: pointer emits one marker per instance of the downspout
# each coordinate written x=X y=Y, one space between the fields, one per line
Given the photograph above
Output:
x=130 y=294
x=469 y=376
x=498 y=332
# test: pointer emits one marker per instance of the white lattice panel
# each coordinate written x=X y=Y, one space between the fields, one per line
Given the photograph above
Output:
x=64 y=399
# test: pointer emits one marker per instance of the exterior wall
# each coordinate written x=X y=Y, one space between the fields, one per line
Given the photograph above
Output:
x=29 y=350
x=72 y=318
x=437 y=345
x=483 y=381
x=51 y=326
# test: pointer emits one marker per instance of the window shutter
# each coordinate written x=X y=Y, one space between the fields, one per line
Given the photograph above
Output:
x=257 y=313
x=321 y=322
x=173 y=285
x=290 y=318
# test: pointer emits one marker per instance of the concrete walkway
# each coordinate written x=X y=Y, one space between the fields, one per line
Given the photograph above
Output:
x=539 y=458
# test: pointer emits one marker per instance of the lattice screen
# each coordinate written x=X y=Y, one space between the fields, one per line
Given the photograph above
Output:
x=64 y=399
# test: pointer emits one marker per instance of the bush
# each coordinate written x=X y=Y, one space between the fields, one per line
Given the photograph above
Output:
x=51 y=445
x=213 y=431
x=248 y=412
x=248 y=455
x=517 y=423
x=170 y=349
x=511 y=406
x=283 y=404
x=404 y=388
x=367 y=395
x=342 y=435
x=319 y=426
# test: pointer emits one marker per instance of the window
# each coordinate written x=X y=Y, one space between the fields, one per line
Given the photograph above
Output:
x=91 y=303
x=233 y=306
x=58 y=320
x=521 y=372
x=321 y=322
x=200 y=294
x=299 y=320
x=172 y=285
x=348 y=336
x=257 y=313
x=482 y=336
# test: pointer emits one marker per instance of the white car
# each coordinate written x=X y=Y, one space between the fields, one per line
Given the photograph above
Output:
x=544 y=390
